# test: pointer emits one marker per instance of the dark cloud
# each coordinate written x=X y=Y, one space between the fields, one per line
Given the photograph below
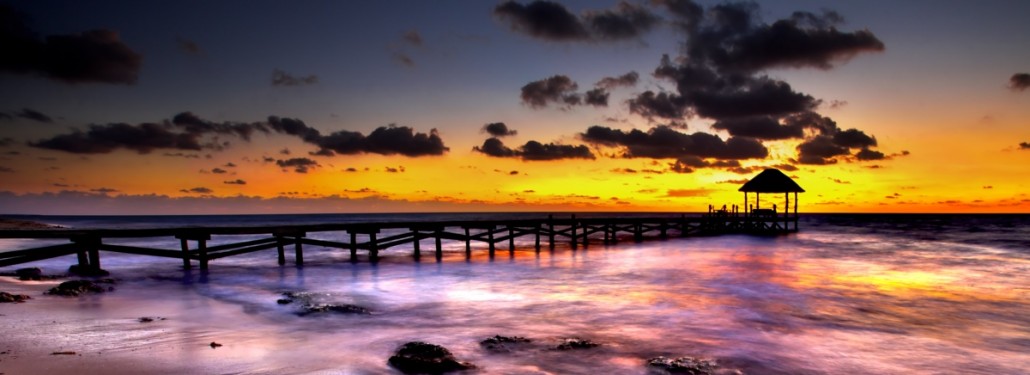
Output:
x=627 y=80
x=720 y=76
x=558 y=89
x=198 y=190
x=542 y=19
x=688 y=164
x=626 y=21
x=535 y=151
x=498 y=129
x=596 y=97
x=385 y=140
x=299 y=165
x=1019 y=81
x=394 y=170
x=866 y=154
x=552 y=21
x=664 y=142
x=196 y=126
x=1024 y=145
x=219 y=171
x=762 y=127
x=6 y=141
x=6 y=170
x=30 y=114
x=281 y=78
x=235 y=182
x=90 y=56
x=188 y=46
x=412 y=37
x=230 y=165
x=104 y=190
x=102 y=139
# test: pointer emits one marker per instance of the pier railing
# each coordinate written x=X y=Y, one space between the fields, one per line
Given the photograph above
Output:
x=365 y=238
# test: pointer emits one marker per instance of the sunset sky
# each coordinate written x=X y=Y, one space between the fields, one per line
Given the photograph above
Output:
x=182 y=107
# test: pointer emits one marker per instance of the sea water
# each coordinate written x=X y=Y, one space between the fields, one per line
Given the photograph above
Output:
x=848 y=294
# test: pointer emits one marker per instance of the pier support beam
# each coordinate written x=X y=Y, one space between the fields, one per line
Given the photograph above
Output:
x=439 y=245
x=201 y=239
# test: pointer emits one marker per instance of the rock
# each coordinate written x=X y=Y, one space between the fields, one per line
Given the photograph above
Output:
x=32 y=273
x=87 y=271
x=683 y=365
x=13 y=298
x=78 y=287
x=284 y=301
x=423 y=358
x=334 y=308
x=63 y=353
x=215 y=345
x=576 y=343
x=503 y=344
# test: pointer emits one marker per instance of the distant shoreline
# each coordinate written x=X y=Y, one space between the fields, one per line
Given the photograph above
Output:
x=16 y=224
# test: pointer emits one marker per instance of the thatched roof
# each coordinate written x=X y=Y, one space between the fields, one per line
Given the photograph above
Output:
x=771 y=181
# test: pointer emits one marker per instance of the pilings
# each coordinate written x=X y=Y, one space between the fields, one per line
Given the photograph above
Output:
x=373 y=237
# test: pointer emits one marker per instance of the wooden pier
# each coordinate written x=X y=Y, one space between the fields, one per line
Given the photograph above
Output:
x=364 y=238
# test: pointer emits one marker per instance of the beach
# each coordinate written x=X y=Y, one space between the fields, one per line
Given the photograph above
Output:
x=830 y=299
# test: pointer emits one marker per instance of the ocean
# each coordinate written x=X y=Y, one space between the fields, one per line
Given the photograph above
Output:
x=848 y=294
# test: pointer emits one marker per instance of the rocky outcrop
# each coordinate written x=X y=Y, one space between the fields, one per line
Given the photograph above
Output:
x=423 y=358
x=573 y=343
x=309 y=306
x=13 y=298
x=682 y=365
x=79 y=287
x=504 y=344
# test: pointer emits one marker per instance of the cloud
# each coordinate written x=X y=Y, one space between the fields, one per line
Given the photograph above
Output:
x=626 y=21
x=596 y=97
x=90 y=56
x=534 y=151
x=197 y=190
x=626 y=80
x=867 y=154
x=1024 y=145
x=235 y=182
x=404 y=59
x=720 y=75
x=104 y=190
x=281 y=78
x=1019 y=81
x=102 y=139
x=553 y=22
x=664 y=142
x=557 y=89
x=6 y=170
x=412 y=37
x=498 y=129
x=686 y=193
x=385 y=140
x=542 y=19
x=28 y=114
x=219 y=171
x=188 y=46
x=299 y=165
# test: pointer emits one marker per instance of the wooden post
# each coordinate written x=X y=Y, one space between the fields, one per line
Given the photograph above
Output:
x=468 y=244
x=373 y=248
x=638 y=233
x=550 y=230
x=615 y=234
x=663 y=228
x=745 y=204
x=795 y=210
x=606 y=236
x=439 y=246
x=353 y=246
x=573 y=232
x=786 y=211
x=536 y=230
x=415 y=244
x=280 y=249
x=298 y=250
x=511 y=239
x=202 y=248
x=185 y=254
x=490 y=237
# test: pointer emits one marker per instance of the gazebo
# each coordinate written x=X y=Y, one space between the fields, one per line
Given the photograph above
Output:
x=772 y=181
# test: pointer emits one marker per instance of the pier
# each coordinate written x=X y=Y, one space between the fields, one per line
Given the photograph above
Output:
x=367 y=240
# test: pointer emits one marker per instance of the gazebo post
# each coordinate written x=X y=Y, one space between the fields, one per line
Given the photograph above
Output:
x=795 y=210
x=745 y=203
x=786 y=211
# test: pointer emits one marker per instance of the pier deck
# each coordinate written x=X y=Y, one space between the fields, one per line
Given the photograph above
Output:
x=366 y=239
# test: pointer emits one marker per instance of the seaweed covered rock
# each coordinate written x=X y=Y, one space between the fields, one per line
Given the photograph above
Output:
x=503 y=344
x=334 y=308
x=79 y=287
x=311 y=304
x=682 y=365
x=13 y=298
x=573 y=343
x=423 y=358
x=31 y=273
x=75 y=269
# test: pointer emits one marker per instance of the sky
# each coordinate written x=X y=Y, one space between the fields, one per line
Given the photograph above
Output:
x=196 y=107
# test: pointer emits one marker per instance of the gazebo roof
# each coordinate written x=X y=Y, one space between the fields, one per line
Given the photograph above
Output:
x=771 y=181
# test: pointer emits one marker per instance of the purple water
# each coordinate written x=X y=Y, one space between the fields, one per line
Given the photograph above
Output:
x=848 y=294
